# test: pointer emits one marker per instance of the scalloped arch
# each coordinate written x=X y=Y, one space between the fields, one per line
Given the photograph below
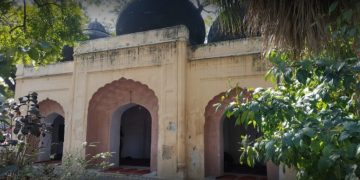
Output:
x=49 y=106
x=108 y=99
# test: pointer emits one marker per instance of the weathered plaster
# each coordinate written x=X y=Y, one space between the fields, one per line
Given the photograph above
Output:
x=182 y=79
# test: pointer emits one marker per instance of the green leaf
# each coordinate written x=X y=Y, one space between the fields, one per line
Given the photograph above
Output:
x=333 y=6
x=250 y=158
x=339 y=66
x=254 y=106
x=244 y=117
x=344 y=136
x=324 y=163
x=347 y=15
x=2 y=138
x=34 y=54
x=358 y=151
x=302 y=75
x=269 y=76
x=309 y=131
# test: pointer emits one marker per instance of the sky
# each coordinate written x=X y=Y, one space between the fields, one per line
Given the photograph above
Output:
x=105 y=13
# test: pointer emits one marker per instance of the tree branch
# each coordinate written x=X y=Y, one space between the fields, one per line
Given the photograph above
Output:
x=24 y=21
x=14 y=28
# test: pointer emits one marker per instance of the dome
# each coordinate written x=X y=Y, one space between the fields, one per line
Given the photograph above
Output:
x=67 y=53
x=143 y=15
x=216 y=34
x=95 y=30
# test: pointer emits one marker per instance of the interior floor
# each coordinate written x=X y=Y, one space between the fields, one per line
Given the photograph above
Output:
x=134 y=162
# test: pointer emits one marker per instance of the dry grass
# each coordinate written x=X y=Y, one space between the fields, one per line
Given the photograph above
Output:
x=289 y=24
x=293 y=25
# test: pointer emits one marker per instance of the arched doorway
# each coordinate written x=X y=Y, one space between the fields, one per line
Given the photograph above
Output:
x=52 y=142
x=231 y=142
x=105 y=116
x=130 y=136
x=221 y=138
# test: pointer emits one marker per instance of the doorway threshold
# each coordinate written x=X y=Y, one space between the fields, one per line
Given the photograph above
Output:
x=129 y=170
x=234 y=176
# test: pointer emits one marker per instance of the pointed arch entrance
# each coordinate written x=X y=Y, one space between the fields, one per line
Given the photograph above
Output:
x=221 y=138
x=105 y=117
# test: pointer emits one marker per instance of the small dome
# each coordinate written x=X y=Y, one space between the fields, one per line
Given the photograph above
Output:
x=95 y=30
x=67 y=53
x=143 y=15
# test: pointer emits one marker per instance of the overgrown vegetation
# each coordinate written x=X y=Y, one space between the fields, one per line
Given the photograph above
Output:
x=19 y=153
x=310 y=118
x=17 y=157
x=34 y=33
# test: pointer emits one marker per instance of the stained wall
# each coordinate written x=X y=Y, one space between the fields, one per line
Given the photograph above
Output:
x=183 y=78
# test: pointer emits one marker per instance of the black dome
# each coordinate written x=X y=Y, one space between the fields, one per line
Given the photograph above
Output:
x=96 y=30
x=216 y=34
x=143 y=15
x=67 y=53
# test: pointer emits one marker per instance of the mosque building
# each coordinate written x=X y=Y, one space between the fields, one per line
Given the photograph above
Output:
x=148 y=93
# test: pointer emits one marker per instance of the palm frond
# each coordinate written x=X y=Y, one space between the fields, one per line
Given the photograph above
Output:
x=293 y=25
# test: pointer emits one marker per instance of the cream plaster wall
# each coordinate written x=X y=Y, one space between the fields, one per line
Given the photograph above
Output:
x=184 y=79
x=213 y=69
x=50 y=82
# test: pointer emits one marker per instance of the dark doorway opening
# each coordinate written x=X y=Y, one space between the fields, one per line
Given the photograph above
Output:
x=57 y=138
x=51 y=144
x=135 y=137
x=232 y=144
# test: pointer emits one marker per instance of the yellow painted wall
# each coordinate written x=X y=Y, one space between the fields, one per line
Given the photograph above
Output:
x=184 y=78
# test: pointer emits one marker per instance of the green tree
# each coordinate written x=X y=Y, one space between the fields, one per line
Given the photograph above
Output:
x=310 y=118
x=34 y=33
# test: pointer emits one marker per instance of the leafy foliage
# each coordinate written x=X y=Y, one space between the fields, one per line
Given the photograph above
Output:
x=34 y=33
x=310 y=120
x=18 y=154
x=16 y=159
x=4 y=119
x=75 y=166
